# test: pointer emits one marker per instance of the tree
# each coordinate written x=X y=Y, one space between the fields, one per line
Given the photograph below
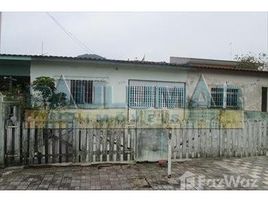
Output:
x=44 y=87
x=250 y=61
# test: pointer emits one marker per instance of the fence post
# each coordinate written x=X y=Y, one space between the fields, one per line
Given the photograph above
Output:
x=169 y=151
x=2 y=132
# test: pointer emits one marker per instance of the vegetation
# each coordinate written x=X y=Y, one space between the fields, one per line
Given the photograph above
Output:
x=250 y=61
x=45 y=93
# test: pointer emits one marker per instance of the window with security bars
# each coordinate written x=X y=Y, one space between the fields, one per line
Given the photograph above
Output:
x=150 y=94
x=172 y=97
x=141 y=96
x=217 y=96
x=82 y=91
x=232 y=97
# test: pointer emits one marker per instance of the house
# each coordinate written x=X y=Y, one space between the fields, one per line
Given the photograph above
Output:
x=150 y=95
x=182 y=83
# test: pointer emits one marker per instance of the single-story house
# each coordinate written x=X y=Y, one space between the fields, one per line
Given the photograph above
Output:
x=106 y=83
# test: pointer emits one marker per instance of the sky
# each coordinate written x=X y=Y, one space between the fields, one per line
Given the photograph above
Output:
x=134 y=35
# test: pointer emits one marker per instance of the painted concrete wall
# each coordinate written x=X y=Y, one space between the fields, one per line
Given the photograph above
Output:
x=14 y=68
x=251 y=85
x=115 y=75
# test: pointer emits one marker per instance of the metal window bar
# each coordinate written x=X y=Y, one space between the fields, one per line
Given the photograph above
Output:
x=232 y=97
x=170 y=97
x=150 y=96
x=82 y=91
x=217 y=96
x=141 y=96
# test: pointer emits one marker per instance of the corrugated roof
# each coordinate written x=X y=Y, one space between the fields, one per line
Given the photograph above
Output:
x=191 y=65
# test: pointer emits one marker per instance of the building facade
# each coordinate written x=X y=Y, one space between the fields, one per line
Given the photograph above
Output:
x=182 y=83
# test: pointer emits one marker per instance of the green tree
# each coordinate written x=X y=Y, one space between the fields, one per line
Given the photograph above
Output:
x=44 y=87
x=250 y=61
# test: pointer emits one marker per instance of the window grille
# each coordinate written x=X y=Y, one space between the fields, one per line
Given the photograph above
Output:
x=153 y=94
x=82 y=91
x=141 y=96
x=217 y=96
x=172 y=97
x=232 y=97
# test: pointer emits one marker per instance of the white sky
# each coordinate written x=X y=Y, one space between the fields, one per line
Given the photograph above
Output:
x=158 y=35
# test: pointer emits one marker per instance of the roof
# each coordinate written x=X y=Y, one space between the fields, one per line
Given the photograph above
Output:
x=202 y=61
x=190 y=63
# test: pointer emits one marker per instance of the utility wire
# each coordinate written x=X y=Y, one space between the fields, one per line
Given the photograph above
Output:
x=69 y=34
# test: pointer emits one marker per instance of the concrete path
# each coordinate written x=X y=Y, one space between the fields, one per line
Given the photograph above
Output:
x=198 y=174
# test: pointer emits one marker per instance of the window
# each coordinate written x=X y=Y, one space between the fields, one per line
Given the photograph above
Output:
x=82 y=91
x=232 y=97
x=170 y=97
x=153 y=94
x=141 y=96
x=231 y=94
x=217 y=96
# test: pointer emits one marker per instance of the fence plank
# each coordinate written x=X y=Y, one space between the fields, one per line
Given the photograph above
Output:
x=129 y=131
x=40 y=144
x=265 y=132
x=32 y=143
x=83 y=144
x=87 y=145
x=184 y=154
x=94 y=147
x=17 y=137
x=260 y=137
x=108 y=143
x=90 y=133
x=24 y=144
x=122 y=143
x=114 y=146
x=55 y=141
x=101 y=140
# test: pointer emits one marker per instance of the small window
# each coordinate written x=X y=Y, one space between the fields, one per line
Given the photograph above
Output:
x=217 y=96
x=82 y=91
x=232 y=97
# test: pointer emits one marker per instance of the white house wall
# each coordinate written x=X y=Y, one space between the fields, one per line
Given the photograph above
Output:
x=115 y=75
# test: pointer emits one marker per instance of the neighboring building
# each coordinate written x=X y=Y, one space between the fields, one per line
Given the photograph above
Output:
x=184 y=82
x=14 y=72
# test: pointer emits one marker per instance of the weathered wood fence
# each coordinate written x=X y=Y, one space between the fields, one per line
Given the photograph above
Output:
x=29 y=143
x=252 y=140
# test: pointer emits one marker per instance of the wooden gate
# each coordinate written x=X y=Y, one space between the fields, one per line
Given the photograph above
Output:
x=10 y=128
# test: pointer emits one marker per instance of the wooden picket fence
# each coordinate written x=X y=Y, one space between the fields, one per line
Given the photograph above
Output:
x=63 y=144
x=31 y=144
x=251 y=140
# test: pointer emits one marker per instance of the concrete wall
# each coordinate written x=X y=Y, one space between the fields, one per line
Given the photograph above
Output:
x=115 y=75
x=250 y=84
